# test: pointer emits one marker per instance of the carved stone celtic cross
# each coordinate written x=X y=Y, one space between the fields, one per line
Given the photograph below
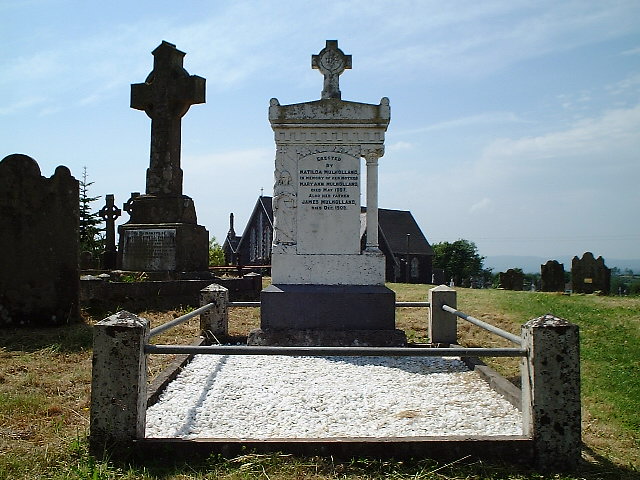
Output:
x=331 y=61
x=166 y=96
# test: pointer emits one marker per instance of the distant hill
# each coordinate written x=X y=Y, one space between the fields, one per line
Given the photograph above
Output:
x=501 y=263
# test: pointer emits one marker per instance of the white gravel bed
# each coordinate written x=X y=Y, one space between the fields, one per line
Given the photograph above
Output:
x=256 y=397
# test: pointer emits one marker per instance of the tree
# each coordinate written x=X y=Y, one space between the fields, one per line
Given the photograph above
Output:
x=459 y=259
x=216 y=254
x=91 y=238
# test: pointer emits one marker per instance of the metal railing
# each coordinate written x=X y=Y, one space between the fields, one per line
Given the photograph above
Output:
x=338 y=351
x=177 y=321
x=487 y=326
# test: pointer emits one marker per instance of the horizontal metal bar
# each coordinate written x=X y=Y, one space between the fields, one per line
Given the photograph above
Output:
x=487 y=326
x=177 y=321
x=398 y=304
x=336 y=351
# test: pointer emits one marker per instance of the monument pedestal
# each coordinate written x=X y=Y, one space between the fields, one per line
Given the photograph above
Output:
x=162 y=235
x=330 y=315
x=180 y=247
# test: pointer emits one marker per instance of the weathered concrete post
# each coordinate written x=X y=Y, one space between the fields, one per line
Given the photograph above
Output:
x=551 y=391
x=119 y=381
x=215 y=320
x=443 y=326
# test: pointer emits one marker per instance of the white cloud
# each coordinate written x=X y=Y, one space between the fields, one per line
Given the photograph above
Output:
x=632 y=51
x=399 y=146
x=481 y=119
x=589 y=142
x=19 y=105
x=481 y=205
x=235 y=160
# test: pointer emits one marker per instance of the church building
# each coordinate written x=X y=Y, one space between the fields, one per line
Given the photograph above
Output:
x=408 y=254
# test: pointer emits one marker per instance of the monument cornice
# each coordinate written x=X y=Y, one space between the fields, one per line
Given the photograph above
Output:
x=329 y=136
x=352 y=114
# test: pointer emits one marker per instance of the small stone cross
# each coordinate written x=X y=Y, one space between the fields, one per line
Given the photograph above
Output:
x=109 y=213
x=331 y=61
x=166 y=96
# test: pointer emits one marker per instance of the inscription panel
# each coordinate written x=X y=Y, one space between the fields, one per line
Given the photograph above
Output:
x=150 y=249
x=328 y=215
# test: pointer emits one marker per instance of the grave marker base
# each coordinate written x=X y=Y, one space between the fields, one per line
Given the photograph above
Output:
x=178 y=247
x=331 y=315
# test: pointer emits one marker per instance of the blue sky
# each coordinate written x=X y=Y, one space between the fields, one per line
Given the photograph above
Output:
x=514 y=124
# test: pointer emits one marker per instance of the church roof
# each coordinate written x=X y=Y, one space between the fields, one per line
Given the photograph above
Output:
x=264 y=204
x=395 y=225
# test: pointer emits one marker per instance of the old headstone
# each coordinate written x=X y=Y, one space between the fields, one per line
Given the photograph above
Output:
x=39 y=221
x=511 y=280
x=552 y=277
x=326 y=289
x=110 y=213
x=589 y=275
x=162 y=233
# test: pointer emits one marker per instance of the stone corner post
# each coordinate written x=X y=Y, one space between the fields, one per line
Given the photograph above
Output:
x=118 y=381
x=551 y=408
x=215 y=320
x=443 y=326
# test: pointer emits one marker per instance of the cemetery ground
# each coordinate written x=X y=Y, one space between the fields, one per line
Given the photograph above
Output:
x=45 y=377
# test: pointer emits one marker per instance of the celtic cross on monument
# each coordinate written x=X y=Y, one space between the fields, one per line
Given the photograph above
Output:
x=165 y=96
x=331 y=61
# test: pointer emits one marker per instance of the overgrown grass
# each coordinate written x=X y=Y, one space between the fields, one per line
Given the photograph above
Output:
x=45 y=382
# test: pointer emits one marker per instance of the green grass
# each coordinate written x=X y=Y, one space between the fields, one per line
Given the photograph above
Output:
x=45 y=378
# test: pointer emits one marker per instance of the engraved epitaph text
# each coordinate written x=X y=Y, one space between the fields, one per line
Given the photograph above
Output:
x=329 y=204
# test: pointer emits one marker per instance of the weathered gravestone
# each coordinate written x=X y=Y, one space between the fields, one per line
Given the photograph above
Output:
x=326 y=290
x=552 y=277
x=162 y=233
x=589 y=275
x=39 y=222
x=511 y=280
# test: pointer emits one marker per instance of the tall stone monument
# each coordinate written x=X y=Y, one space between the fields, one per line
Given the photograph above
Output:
x=326 y=289
x=162 y=233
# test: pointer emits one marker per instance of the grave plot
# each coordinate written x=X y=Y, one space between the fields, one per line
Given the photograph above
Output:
x=259 y=397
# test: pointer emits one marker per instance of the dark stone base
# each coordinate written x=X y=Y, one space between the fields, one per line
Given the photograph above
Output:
x=327 y=338
x=329 y=315
x=150 y=209
x=184 y=248
x=327 y=307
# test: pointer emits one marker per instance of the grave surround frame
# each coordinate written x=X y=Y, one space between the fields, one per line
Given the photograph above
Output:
x=550 y=395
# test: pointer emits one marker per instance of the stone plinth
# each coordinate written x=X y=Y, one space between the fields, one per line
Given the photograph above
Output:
x=551 y=407
x=330 y=315
x=164 y=247
x=118 y=381
x=328 y=307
